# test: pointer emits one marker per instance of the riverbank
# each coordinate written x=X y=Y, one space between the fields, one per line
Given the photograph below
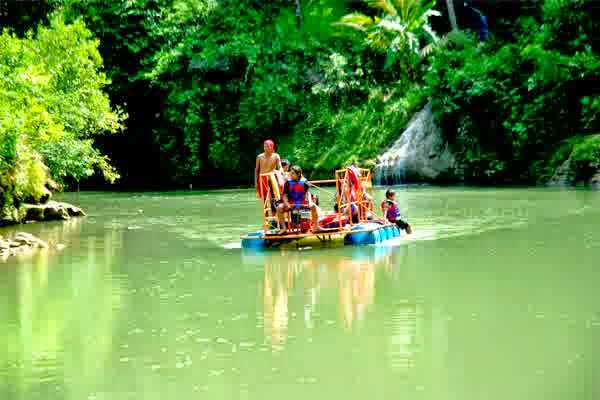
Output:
x=23 y=242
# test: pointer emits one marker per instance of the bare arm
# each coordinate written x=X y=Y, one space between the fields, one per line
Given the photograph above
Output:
x=308 y=198
x=256 y=171
x=286 y=200
x=279 y=166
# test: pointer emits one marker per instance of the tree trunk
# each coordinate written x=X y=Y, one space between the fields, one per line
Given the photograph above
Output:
x=452 y=15
x=298 y=13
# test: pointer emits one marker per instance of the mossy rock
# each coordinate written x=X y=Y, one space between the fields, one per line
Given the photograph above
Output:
x=585 y=157
x=56 y=213
x=595 y=181
x=34 y=213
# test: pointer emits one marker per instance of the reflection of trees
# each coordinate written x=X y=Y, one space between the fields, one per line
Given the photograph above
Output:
x=61 y=313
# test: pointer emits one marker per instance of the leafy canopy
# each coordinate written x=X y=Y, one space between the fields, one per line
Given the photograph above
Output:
x=52 y=104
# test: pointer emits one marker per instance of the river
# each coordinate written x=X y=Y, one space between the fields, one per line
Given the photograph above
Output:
x=494 y=296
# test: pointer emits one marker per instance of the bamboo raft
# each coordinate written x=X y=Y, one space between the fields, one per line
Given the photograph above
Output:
x=355 y=221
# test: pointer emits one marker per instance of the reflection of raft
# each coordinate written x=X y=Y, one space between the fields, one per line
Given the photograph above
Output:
x=361 y=229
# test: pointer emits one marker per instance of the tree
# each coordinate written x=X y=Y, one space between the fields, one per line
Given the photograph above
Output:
x=401 y=30
x=451 y=14
x=52 y=105
x=298 y=12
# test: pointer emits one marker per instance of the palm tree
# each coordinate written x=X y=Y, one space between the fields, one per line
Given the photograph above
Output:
x=452 y=15
x=298 y=12
x=399 y=31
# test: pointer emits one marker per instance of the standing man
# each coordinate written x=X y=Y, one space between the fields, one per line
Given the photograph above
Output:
x=266 y=162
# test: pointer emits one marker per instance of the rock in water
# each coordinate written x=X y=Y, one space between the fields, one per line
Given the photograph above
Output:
x=55 y=211
x=21 y=243
x=420 y=154
x=74 y=211
x=30 y=240
x=51 y=211
x=34 y=213
x=595 y=181
x=565 y=176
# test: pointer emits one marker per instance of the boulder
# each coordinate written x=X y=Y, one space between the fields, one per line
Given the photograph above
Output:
x=563 y=176
x=55 y=211
x=34 y=212
x=30 y=240
x=595 y=181
x=420 y=154
x=50 y=211
x=22 y=242
x=582 y=167
x=74 y=211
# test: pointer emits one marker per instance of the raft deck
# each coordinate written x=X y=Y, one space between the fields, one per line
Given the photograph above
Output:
x=359 y=234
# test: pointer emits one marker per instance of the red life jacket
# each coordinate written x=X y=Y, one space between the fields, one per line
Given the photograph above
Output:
x=392 y=212
x=353 y=176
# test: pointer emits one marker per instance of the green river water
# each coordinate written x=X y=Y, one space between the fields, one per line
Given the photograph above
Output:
x=494 y=296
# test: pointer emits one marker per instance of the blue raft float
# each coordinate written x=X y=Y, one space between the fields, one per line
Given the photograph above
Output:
x=368 y=233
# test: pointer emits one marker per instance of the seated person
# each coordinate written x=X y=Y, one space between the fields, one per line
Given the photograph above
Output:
x=352 y=211
x=392 y=212
x=285 y=164
x=296 y=195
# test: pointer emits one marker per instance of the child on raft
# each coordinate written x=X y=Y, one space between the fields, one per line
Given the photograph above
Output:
x=296 y=195
x=392 y=212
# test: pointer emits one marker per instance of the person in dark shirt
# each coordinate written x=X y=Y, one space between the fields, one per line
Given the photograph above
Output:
x=296 y=196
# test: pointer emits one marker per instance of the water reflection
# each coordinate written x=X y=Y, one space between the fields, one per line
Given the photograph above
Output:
x=301 y=279
x=61 y=312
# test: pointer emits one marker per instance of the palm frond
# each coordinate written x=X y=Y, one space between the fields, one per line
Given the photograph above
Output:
x=377 y=42
x=432 y=13
x=413 y=42
x=407 y=9
x=391 y=25
x=356 y=21
x=383 y=5
x=351 y=25
x=431 y=33
x=427 y=50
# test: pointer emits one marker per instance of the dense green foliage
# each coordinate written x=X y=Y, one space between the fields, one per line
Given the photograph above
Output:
x=51 y=105
x=586 y=156
x=508 y=106
x=207 y=81
x=204 y=82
